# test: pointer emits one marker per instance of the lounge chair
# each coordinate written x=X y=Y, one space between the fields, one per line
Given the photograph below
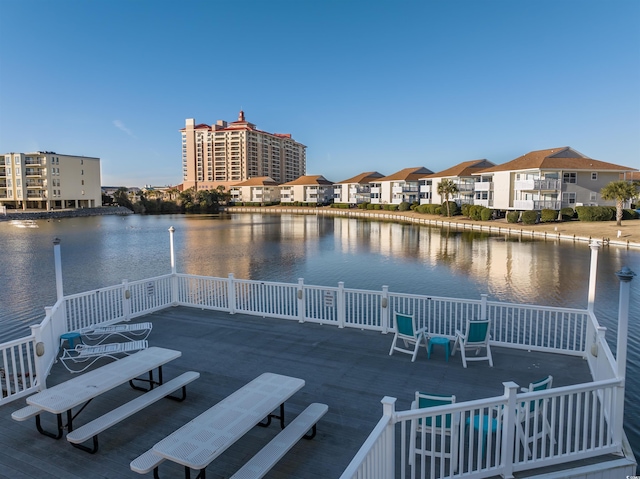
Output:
x=85 y=355
x=129 y=331
x=475 y=337
x=431 y=432
x=406 y=331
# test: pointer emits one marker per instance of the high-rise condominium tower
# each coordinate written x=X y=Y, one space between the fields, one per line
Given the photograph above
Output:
x=225 y=154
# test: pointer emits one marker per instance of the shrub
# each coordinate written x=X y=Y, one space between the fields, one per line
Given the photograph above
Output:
x=548 y=216
x=437 y=210
x=464 y=209
x=393 y=207
x=371 y=205
x=594 y=213
x=404 y=206
x=628 y=214
x=486 y=214
x=529 y=217
x=376 y=207
x=453 y=208
x=512 y=216
x=364 y=206
x=567 y=214
x=475 y=212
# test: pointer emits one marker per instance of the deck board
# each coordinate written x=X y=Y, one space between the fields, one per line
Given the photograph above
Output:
x=347 y=369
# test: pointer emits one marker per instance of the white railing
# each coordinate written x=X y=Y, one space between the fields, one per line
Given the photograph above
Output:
x=373 y=460
x=494 y=436
x=518 y=326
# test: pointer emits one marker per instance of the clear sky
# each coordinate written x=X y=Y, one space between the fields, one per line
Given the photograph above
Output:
x=364 y=84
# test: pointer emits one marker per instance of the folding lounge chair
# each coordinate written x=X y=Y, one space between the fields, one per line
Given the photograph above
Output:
x=132 y=332
x=407 y=332
x=85 y=355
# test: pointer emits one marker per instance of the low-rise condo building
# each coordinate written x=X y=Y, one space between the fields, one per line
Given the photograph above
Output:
x=461 y=175
x=402 y=186
x=356 y=190
x=553 y=179
x=46 y=180
x=262 y=190
x=227 y=153
x=314 y=189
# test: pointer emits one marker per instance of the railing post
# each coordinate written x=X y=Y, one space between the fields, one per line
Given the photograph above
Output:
x=302 y=308
x=509 y=429
x=40 y=357
x=384 y=310
x=593 y=270
x=483 y=306
x=389 y=410
x=174 y=276
x=340 y=305
x=126 y=300
x=625 y=275
x=57 y=259
x=231 y=291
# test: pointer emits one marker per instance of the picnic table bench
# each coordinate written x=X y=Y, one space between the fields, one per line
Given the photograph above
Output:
x=62 y=398
x=196 y=444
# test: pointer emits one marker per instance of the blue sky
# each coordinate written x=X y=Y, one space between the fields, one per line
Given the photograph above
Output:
x=366 y=85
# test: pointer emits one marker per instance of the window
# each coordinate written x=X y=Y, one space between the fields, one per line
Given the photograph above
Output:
x=569 y=198
x=16 y=160
x=83 y=182
x=593 y=196
x=594 y=175
x=570 y=177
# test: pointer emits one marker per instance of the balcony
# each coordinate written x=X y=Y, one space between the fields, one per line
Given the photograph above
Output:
x=536 y=204
x=34 y=172
x=538 y=185
x=485 y=203
x=483 y=186
x=30 y=161
x=34 y=183
x=466 y=187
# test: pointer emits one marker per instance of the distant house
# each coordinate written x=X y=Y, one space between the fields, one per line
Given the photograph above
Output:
x=356 y=190
x=307 y=189
x=462 y=177
x=553 y=179
x=263 y=189
x=399 y=187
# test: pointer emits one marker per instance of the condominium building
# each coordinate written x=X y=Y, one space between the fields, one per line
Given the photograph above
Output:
x=399 y=187
x=47 y=180
x=461 y=176
x=225 y=154
x=313 y=189
x=356 y=190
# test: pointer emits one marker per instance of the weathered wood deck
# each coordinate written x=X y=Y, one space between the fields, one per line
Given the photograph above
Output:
x=349 y=370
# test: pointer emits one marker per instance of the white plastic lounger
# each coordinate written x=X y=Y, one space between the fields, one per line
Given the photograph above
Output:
x=87 y=355
x=131 y=332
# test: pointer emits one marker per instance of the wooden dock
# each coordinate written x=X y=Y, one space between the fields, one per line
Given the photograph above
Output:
x=349 y=370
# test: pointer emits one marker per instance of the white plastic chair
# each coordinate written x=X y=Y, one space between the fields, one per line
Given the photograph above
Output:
x=407 y=332
x=475 y=337
x=87 y=355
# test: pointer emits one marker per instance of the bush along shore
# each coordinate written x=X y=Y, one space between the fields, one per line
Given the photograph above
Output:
x=70 y=213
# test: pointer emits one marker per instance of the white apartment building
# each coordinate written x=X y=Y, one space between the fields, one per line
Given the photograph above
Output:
x=356 y=190
x=227 y=153
x=46 y=180
x=314 y=189
x=263 y=190
x=402 y=186
x=462 y=177
x=554 y=178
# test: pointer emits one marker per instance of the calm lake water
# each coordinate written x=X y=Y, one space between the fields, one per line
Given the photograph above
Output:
x=102 y=251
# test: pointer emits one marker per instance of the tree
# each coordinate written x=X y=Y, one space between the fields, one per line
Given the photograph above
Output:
x=446 y=189
x=121 y=198
x=621 y=192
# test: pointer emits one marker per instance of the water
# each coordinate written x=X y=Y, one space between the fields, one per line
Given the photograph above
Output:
x=102 y=251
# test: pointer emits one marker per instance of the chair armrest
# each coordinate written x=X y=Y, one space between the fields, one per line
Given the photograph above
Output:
x=524 y=390
x=414 y=405
x=422 y=331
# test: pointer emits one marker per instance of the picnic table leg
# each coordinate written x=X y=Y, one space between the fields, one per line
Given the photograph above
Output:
x=268 y=418
x=41 y=430
x=150 y=381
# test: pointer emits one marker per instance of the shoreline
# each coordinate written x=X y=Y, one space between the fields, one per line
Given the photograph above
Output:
x=605 y=232
x=70 y=213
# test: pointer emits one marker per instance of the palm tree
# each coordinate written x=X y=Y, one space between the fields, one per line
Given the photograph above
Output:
x=621 y=192
x=447 y=188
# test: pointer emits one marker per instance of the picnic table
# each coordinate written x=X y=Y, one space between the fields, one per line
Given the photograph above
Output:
x=63 y=397
x=196 y=444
